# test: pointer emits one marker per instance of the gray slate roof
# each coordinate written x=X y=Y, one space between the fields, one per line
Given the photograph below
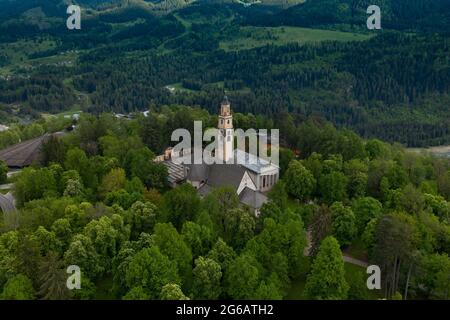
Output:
x=217 y=175
x=175 y=171
x=204 y=190
x=197 y=172
x=252 y=198
x=225 y=175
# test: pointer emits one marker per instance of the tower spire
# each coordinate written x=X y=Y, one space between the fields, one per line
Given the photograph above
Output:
x=225 y=127
x=225 y=100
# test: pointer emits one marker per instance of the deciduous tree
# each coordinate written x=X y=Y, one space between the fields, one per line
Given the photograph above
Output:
x=18 y=287
x=327 y=277
x=342 y=223
x=300 y=183
x=207 y=275
x=151 y=270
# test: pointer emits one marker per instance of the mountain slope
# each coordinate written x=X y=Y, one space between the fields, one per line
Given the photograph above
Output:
x=421 y=15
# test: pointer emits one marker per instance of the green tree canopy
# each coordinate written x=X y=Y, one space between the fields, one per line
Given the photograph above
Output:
x=181 y=204
x=343 y=223
x=366 y=209
x=151 y=270
x=171 y=244
x=18 y=287
x=207 y=276
x=300 y=183
x=242 y=277
x=172 y=291
x=327 y=277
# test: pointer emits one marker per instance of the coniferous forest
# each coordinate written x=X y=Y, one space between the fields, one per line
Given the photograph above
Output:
x=349 y=102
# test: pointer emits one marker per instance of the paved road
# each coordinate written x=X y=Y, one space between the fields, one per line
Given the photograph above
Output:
x=12 y=173
x=346 y=257
x=355 y=261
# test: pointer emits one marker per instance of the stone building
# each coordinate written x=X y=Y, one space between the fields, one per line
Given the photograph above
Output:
x=250 y=176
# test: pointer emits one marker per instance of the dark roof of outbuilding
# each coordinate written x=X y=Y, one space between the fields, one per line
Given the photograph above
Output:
x=252 y=198
x=25 y=153
x=204 y=190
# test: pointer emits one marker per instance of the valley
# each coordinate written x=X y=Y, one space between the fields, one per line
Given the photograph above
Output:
x=402 y=97
x=357 y=183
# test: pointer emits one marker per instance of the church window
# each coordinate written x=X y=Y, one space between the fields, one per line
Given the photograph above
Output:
x=229 y=138
x=228 y=121
x=221 y=121
x=264 y=181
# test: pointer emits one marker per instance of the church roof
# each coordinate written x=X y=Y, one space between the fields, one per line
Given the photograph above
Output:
x=226 y=175
x=197 y=172
x=252 y=198
x=175 y=172
x=216 y=175
x=252 y=162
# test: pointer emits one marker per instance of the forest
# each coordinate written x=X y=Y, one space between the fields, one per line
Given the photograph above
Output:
x=97 y=200
x=392 y=84
x=349 y=102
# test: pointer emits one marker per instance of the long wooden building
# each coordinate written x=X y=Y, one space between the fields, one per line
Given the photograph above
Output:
x=25 y=153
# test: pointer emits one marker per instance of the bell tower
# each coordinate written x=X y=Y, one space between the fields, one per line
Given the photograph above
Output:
x=226 y=134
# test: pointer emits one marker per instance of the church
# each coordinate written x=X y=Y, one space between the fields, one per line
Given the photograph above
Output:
x=249 y=175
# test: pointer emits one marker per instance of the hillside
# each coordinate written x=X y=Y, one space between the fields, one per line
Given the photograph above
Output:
x=421 y=15
x=97 y=200
x=311 y=59
x=89 y=181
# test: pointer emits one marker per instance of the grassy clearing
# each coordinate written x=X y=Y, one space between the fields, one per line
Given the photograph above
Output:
x=357 y=250
x=292 y=203
x=252 y=37
x=351 y=272
x=20 y=50
x=178 y=87
x=297 y=288
x=18 y=59
x=68 y=113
